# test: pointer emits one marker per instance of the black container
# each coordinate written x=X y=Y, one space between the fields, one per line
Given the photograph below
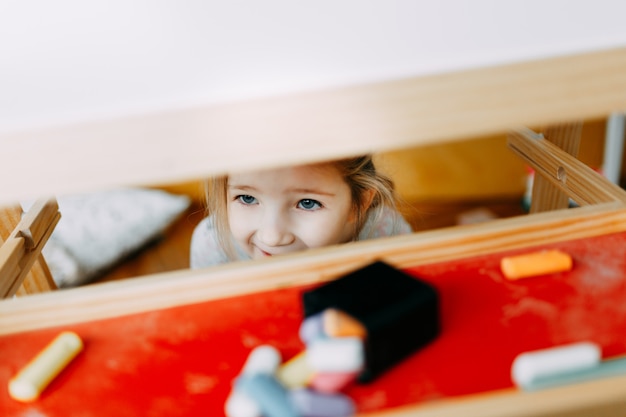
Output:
x=400 y=312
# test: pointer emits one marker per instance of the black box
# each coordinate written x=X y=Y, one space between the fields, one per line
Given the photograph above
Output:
x=400 y=312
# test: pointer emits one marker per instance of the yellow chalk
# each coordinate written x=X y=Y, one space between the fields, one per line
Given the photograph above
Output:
x=536 y=263
x=28 y=384
x=296 y=372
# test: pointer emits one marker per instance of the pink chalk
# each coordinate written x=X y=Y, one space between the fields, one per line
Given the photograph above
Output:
x=331 y=382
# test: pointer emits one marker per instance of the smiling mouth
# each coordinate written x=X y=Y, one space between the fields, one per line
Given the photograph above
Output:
x=262 y=252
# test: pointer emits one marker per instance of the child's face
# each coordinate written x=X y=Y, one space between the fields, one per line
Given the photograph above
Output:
x=289 y=209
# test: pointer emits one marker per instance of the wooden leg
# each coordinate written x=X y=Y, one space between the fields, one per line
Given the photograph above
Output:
x=39 y=278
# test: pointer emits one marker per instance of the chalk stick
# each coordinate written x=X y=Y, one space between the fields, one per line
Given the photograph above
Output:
x=239 y=404
x=312 y=328
x=28 y=384
x=536 y=263
x=332 y=382
x=604 y=369
x=530 y=367
x=271 y=397
x=341 y=354
x=314 y=404
x=263 y=359
x=296 y=372
x=339 y=324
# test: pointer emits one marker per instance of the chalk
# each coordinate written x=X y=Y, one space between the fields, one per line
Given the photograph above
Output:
x=296 y=372
x=263 y=359
x=332 y=382
x=271 y=397
x=342 y=354
x=313 y=404
x=312 y=328
x=530 y=368
x=28 y=384
x=339 y=324
x=608 y=368
x=239 y=404
x=535 y=263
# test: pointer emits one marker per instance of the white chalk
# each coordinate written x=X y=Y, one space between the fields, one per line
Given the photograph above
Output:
x=28 y=384
x=530 y=367
x=339 y=354
x=239 y=404
x=263 y=359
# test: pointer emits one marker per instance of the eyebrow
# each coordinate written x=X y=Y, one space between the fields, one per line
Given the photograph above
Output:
x=310 y=191
x=242 y=187
x=290 y=190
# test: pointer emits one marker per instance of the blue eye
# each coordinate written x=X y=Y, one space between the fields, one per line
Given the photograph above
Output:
x=246 y=199
x=308 y=204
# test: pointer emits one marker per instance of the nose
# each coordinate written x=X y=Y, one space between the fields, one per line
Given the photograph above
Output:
x=274 y=230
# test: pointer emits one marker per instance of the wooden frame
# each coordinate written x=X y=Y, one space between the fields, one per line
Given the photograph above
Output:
x=410 y=111
x=193 y=143
x=21 y=249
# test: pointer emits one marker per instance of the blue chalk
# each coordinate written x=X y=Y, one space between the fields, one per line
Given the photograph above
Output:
x=315 y=404
x=271 y=397
x=312 y=328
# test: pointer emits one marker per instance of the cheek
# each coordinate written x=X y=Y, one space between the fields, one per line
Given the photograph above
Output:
x=238 y=221
x=328 y=230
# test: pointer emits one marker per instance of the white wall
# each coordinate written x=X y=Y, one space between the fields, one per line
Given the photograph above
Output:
x=68 y=60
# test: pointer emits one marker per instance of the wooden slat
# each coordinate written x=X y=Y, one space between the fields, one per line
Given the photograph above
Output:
x=545 y=195
x=189 y=286
x=32 y=230
x=603 y=397
x=313 y=126
x=575 y=179
x=11 y=254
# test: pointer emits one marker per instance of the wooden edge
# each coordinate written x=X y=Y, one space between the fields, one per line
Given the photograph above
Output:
x=581 y=183
x=313 y=126
x=606 y=396
x=113 y=299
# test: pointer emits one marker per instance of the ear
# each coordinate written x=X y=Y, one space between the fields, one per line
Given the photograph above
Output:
x=368 y=197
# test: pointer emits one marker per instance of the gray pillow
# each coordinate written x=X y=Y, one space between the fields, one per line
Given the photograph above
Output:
x=99 y=229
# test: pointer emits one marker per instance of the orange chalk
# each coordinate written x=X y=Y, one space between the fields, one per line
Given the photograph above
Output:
x=339 y=324
x=536 y=263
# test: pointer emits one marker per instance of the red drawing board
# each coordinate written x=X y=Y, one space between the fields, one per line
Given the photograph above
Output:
x=181 y=361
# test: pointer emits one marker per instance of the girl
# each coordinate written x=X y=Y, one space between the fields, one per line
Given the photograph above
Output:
x=259 y=214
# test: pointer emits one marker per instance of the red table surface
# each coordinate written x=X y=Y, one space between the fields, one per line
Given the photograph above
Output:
x=181 y=361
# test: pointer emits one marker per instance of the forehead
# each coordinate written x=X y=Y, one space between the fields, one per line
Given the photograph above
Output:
x=302 y=176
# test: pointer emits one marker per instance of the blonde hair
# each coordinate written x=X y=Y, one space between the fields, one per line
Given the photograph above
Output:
x=359 y=174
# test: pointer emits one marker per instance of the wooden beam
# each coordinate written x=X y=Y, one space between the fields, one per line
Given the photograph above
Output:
x=575 y=179
x=177 y=288
x=179 y=145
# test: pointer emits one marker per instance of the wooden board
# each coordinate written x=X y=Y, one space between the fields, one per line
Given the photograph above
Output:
x=181 y=360
x=310 y=126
